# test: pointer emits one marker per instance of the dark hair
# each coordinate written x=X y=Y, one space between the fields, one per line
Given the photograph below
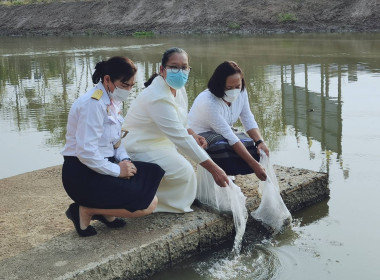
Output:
x=168 y=53
x=165 y=58
x=117 y=67
x=217 y=82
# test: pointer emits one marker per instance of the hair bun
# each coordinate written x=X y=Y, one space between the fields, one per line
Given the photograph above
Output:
x=100 y=65
x=99 y=71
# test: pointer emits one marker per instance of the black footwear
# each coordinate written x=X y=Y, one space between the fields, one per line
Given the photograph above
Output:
x=117 y=223
x=73 y=214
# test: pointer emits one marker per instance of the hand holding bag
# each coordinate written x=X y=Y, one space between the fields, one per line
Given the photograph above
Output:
x=272 y=211
x=228 y=199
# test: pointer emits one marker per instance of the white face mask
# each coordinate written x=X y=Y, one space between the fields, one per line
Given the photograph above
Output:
x=231 y=95
x=120 y=94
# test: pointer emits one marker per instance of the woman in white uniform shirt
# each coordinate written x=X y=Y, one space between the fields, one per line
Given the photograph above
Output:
x=97 y=172
x=157 y=125
x=217 y=108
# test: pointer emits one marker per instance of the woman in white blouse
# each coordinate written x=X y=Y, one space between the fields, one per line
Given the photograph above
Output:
x=219 y=107
x=157 y=125
x=97 y=172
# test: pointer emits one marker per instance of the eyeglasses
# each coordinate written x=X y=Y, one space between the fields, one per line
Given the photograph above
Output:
x=175 y=69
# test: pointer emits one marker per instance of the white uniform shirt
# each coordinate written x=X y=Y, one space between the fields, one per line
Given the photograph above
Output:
x=93 y=127
x=210 y=113
x=156 y=120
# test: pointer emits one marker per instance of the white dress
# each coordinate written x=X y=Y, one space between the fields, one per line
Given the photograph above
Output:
x=156 y=121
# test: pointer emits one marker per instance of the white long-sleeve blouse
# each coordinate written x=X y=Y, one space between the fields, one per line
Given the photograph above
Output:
x=210 y=113
x=156 y=120
x=93 y=127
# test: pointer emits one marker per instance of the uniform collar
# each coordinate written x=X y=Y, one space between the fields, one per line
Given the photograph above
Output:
x=105 y=97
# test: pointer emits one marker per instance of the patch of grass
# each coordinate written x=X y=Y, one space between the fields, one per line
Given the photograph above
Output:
x=26 y=2
x=143 y=34
x=287 y=17
x=14 y=3
x=234 y=25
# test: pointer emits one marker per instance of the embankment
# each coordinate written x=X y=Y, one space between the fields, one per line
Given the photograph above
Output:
x=190 y=16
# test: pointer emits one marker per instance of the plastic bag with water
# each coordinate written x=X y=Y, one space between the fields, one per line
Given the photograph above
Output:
x=272 y=211
x=228 y=199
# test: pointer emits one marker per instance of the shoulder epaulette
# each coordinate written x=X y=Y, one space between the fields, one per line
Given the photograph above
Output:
x=97 y=94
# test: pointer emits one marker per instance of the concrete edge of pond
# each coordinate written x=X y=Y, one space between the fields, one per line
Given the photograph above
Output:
x=145 y=246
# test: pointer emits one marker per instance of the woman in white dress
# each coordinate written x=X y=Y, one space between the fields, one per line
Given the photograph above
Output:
x=157 y=125
x=217 y=108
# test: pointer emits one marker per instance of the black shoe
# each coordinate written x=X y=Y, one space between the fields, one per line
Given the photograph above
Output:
x=117 y=223
x=73 y=214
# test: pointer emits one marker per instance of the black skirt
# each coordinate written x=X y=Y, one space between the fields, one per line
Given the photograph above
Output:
x=94 y=190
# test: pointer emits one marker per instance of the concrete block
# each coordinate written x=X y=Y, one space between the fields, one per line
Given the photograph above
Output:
x=38 y=242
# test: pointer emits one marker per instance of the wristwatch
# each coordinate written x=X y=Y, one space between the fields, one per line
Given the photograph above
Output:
x=258 y=142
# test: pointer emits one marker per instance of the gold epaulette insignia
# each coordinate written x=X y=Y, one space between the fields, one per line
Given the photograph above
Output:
x=97 y=94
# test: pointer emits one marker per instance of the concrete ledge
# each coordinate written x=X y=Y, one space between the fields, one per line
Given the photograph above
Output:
x=38 y=241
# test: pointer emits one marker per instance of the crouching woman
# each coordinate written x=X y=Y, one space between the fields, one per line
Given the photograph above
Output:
x=97 y=172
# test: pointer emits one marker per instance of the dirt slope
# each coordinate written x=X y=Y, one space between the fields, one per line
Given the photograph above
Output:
x=183 y=16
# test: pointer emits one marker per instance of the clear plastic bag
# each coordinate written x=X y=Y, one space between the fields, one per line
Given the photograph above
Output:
x=228 y=199
x=272 y=211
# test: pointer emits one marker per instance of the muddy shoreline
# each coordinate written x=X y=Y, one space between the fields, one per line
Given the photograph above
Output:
x=125 y=17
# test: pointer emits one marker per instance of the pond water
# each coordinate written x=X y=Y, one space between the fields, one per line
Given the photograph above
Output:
x=316 y=98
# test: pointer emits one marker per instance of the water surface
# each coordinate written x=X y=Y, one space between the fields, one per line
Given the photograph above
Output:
x=315 y=96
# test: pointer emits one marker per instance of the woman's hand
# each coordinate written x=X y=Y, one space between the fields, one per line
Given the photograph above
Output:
x=262 y=146
x=220 y=177
x=200 y=140
x=255 y=134
x=260 y=172
x=127 y=169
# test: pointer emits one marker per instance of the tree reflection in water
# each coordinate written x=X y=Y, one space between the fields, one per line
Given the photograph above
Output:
x=40 y=81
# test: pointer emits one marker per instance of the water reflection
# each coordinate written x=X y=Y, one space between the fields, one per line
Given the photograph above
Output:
x=293 y=81
x=312 y=213
x=34 y=93
x=316 y=115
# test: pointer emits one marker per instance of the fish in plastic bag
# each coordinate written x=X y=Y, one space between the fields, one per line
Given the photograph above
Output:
x=272 y=211
x=228 y=199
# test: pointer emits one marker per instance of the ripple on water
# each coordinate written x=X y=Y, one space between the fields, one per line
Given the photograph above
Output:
x=259 y=260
